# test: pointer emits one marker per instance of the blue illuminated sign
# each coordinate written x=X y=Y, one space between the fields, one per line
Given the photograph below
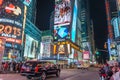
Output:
x=27 y=2
x=61 y=33
x=73 y=32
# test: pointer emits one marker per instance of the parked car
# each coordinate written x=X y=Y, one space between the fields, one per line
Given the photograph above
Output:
x=39 y=69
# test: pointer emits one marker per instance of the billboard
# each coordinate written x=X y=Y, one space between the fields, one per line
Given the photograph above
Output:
x=86 y=55
x=115 y=25
x=11 y=20
x=62 y=12
x=27 y=2
x=31 y=46
x=45 y=49
x=74 y=22
x=61 y=33
x=118 y=4
x=62 y=49
x=46 y=38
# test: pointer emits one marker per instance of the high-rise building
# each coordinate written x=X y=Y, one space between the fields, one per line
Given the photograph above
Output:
x=113 y=27
x=70 y=31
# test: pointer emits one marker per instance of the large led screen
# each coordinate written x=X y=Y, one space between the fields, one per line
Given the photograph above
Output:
x=73 y=32
x=62 y=12
x=45 y=49
x=11 y=20
x=31 y=46
x=115 y=25
x=62 y=49
x=61 y=33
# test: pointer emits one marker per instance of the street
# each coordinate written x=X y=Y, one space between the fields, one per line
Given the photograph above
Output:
x=66 y=74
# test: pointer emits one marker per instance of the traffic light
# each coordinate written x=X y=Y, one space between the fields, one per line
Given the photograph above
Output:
x=97 y=53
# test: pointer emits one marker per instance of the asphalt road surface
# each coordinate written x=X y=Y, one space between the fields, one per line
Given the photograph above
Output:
x=66 y=74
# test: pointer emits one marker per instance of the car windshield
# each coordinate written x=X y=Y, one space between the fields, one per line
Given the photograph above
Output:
x=30 y=64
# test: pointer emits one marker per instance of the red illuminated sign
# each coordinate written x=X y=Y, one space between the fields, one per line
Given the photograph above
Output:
x=14 y=40
x=9 y=30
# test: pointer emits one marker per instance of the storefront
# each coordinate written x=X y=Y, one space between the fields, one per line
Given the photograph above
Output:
x=67 y=52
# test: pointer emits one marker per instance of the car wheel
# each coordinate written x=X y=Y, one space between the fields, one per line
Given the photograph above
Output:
x=43 y=76
x=29 y=77
x=58 y=73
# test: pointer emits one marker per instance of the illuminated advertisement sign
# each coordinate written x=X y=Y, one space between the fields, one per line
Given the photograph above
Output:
x=62 y=49
x=114 y=22
x=31 y=46
x=118 y=2
x=86 y=55
x=45 y=50
x=11 y=20
x=73 y=32
x=62 y=12
x=27 y=2
x=46 y=38
x=61 y=33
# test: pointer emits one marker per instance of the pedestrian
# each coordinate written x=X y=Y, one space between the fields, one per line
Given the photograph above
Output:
x=102 y=73
x=116 y=76
x=5 y=66
x=106 y=68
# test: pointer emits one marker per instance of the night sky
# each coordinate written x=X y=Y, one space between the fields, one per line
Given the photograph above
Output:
x=44 y=9
x=97 y=8
x=97 y=12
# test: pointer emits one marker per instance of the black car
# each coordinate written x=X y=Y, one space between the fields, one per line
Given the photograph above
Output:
x=39 y=69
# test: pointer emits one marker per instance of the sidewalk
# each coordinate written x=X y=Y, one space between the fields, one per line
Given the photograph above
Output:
x=8 y=72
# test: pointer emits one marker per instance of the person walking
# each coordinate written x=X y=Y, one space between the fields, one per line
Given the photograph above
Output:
x=5 y=66
x=116 y=76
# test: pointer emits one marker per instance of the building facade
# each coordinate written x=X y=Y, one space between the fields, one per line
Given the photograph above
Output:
x=70 y=31
x=32 y=35
x=113 y=28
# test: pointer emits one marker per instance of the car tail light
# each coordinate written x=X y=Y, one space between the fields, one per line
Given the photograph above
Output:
x=36 y=69
x=22 y=69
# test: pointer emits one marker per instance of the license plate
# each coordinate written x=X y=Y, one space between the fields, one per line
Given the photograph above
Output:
x=27 y=69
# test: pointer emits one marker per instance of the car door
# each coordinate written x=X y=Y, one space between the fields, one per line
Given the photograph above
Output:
x=53 y=68
x=50 y=68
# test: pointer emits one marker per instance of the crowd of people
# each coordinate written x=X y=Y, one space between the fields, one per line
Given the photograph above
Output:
x=110 y=71
x=11 y=66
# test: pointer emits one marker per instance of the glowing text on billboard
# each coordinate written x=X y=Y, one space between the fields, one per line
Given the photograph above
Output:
x=7 y=30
